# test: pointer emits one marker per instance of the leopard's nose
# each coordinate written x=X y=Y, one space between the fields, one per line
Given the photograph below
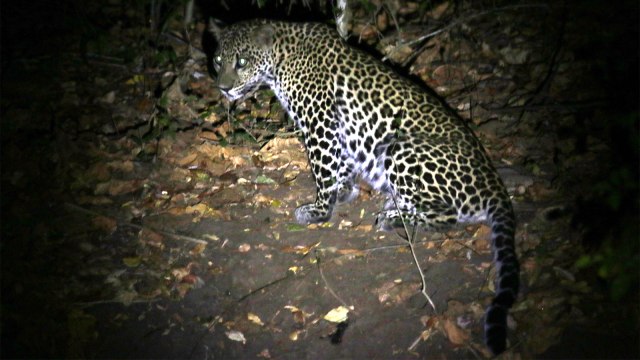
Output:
x=224 y=87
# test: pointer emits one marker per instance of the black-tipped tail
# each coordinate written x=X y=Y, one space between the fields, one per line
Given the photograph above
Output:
x=507 y=278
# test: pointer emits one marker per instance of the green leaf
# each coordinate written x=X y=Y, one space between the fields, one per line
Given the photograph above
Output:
x=584 y=261
x=295 y=227
x=262 y=179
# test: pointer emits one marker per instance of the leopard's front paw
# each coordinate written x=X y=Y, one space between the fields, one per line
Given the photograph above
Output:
x=388 y=220
x=310 y=214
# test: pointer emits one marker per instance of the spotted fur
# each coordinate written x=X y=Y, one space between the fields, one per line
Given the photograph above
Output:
x=359 y=118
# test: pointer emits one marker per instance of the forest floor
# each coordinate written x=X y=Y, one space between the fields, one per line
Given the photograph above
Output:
x=145 y=217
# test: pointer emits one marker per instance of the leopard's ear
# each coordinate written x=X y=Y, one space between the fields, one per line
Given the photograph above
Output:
x=214 y=28
x=264 y=36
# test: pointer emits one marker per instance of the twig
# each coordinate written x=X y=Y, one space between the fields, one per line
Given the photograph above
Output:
x=559 y=106
x=187 y=41
x=415 y=343
x=326 y=283
x=415 y=260
x=395 y=20
x=386 y=247
x=473 y=351
x=269 y=284
x=228 y=308
x=544 y=86
x=113 y=301
x=410 y=238
x=75 y=207
x=459 y=21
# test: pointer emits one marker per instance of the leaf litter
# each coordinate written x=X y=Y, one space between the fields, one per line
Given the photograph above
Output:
x=171 y=211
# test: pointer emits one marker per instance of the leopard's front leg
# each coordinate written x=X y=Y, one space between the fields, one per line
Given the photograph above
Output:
x=332 y=175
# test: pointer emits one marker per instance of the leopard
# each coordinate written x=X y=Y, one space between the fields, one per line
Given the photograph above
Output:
x=361 y=119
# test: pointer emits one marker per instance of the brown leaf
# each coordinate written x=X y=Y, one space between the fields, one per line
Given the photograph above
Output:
x=181 y=273
x=208 y=135
x=224 y=129
x=151 y=238
x=300 y=249
x=188 y=159
x=265 y=354
x=198 y=249
x=364 y=227
x=106 y=224
x=437 y=11
x=93 y=200
x=539 y=191
x=354 y=252
x=224 y=197
x=176 y=211
x=99 y=172
x=483 y=232
x=123 y=166
x=117 y=187
x=282 y=151
x=396 y=291
x=455 y=335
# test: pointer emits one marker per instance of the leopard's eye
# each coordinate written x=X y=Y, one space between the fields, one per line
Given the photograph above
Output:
x=218 y=60
x=242 y=62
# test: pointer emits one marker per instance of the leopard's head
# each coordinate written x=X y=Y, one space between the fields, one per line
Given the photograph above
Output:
x=243 y=57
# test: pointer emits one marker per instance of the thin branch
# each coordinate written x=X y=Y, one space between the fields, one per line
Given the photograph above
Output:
x=559 y=106
x=459 y=21
x=326 y=283
x=269 y=284
x=113 y=301
x=410 y=239
x=77 y=208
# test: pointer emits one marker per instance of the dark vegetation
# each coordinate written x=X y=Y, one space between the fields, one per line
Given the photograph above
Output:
x=87 y=226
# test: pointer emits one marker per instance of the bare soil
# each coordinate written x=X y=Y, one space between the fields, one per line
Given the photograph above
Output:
x=141 y=218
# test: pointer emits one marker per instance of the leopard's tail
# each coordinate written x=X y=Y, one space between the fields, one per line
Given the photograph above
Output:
x=507 y=275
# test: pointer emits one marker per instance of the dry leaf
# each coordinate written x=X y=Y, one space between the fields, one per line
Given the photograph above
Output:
x=299 y=316
x=132 y=262
x=194 y=280
x=294 y=335
x=211 y=237
x=265 y=354
x=198 y=249
x=152 y=238
x=188 y=159
x=255 y=319
x=208 y=135
x=99 y=172
x=483 y=232
x=180 y=273
x=198 y=209
x=236 y=336
x=456 y=335
x=212 y=118
x=364 y=228
x=126 y=297
x=224 y=129
x=105 y=224
x=353 y=252
x=123 y=166
x=117 y=187
x=299 y=249
x=337 y=315
x=92 y=200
